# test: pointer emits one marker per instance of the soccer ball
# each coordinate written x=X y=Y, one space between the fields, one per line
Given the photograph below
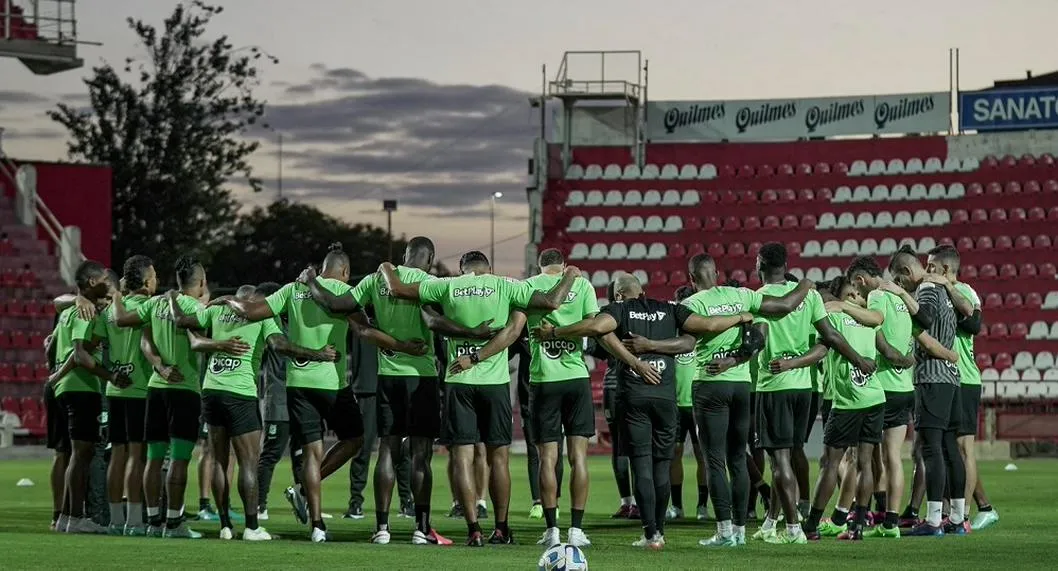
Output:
x=563 y=557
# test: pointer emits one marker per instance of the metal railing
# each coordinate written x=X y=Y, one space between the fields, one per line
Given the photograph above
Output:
x=55 y=20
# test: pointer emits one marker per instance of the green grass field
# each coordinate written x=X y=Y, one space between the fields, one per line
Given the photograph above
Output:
x=1025 y=499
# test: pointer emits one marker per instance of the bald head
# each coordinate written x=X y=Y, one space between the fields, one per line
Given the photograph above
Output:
x=627 y=286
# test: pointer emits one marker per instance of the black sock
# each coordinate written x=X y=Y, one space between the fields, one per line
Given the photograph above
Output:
x=203 y=504
x=860 y=519
x=251 y=521
x=677 y=495
x=703 y=495
x=576 y=518
x=502 y=527
x=891 y=520
x=473 y=528
x=225 y=519
x=422 y=518
x=839 y=517
x=550 y=517
x=650 y=530
x=814 y=516
x=909 y=512
x=173 y=522
x=55 y=515
x=382 y=520
x=318 y=524
x=156 y=520
x=880 y=501
x=765 y=492
x=984 y=508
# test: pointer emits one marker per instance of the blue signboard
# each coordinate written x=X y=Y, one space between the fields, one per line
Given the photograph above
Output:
x=1009 y=110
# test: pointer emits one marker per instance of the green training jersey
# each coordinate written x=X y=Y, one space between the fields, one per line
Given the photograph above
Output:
x=312 y=327
x=686 y=367
x=719 y=301
x=469 y=300
x=70 y=329
x=402 y=320
x=850 y=388
x=125 y=354
x=236 y=374
x=560 y=359
x=788 y=337
x=896 y=329
x=964 y=342
x=174 y=346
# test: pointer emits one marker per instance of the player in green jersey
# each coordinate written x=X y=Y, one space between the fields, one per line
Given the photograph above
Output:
x=784 y=386
x=944 y=261
x=686 y=368
x=477 y=395
x=408 y=388
x=229 y=400
x=78 y=391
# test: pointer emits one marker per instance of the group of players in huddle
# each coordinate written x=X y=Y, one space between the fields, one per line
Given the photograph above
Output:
x=865 y=352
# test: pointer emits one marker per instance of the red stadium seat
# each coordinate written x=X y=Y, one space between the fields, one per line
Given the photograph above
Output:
x=1008 y=161
x=694 y=249
x=994 y=188
x=1050 y=186
x=727 y=171
x=993 y=301
x=988 y=272
x=1042 y=241
x=769 y=197
x=840 y=168
x=984 y=243
x=1019 y=331
x=676 y=251
x=739 y=276
x=997 y=214
x=1027 y=270
x=989 y=162
x=716 y=250
x=809 y=221
x=793 y=248
x=41 y=372
x=7 y=373
x=824 y=194
x=804 y=169
x=19 y=340
x=946 y=241
x=1013 y=187
x=789 y=222
x=1033 y=300
x=1017 y=214
x=709 y=197
x=970 y=271
x=732 y=224
x=1002 y=360
x=747 y=197
x=1008 y=272
x=771 y=222
x=751 y=223
x=1032 y=187
x=984 y=360
x=787 y=195
x=30 y=404
x=659 y=277
x=1003 y=243
x=736 y=250
x=998 y=331
x=678 y=277
x=23 y=374
x=979 y=215
x=1036 y=214
x=975 y=189
x=692 y=223
x=785 y=170
x=822 y=168
x=727 y=197
x=711 y=224
x=1012 y=300
x=753 y=248
x=965 y=244
x=960 y=217
x=1023 y=242
x=1052 y=213
x=1047 y=269
x=763 y=171
x=806 y=195
x=746 y=171
x=1045 y=159
x=10 y=404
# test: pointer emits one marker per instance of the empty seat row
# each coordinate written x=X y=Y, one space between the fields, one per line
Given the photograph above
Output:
x=1034 y=214
x=618 y=251
x=618 y=224
x=878 y=167
x=670 y=197
x=1024 y=360
x=1004 y=243
x=648 y=172
x=1008 y=271
x=884 y=219
x=1010 y=161
x=1028 y=387
x=1041 y=329
x=868 y=247
x=1013 y=300
x=899 y=192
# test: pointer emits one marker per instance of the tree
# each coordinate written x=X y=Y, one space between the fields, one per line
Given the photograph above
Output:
x=173 y=136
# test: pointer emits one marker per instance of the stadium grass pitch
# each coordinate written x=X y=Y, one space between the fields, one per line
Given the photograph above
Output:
x=1022 y=538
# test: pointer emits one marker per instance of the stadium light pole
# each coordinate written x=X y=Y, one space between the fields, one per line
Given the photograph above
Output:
x=492 y=227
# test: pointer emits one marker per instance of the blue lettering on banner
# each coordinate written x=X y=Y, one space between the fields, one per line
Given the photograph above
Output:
x=1005 y=109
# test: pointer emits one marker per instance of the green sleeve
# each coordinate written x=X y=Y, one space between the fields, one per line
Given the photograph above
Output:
x=205 y=316
x=99 y=326
x=81 y=330
x=518 y=292
x=876 y=301
x=751 y=300
x=433 y=291
x=814 y=304
x=591 y=305
x=279 y=300
x=145 y=309
x=188 y=305
x=362 y=291
x=270 y=327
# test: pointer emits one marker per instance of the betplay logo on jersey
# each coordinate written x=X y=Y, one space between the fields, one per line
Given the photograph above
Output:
x=647 y=315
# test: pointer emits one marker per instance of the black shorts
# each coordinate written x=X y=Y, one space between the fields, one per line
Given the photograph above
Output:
x=826 y=406
x=83 y=410
x=898 y=408
x=686 y=426
x=561 y=407
x=312 y=411
x=126 y=419
x=409 y=406
x=236 y=414
x=649 y=427
x=58 y=437
x=847 y=428
x=609 y=404
x=172 y=414
x=478 y=413
x=782 y=418
x=813 y=412
x=970 y=400
x=937 y=405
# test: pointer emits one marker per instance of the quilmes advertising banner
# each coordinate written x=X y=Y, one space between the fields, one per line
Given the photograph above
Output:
x=791 y=119
x=1009 y=109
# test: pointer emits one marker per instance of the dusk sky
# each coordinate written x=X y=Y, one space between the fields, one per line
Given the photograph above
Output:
x=426 y=101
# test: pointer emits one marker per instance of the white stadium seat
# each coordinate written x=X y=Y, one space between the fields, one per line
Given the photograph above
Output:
x=575 y=172
x=826 y=221
x=845 y=221
x=887 y=247
x=850 y=248
x=707 y=172
x=858 y=168
x=990 y=375
x=1052 y=335
x=1051 y=301
x=690 y=197
x=673 y=224
x=657 y=251
x=577 y=224
x=594 y=198
x=951 y=164
x=918 y=192
x=670 y=172
x=615 y=224
x=913 y=166
x=641 y=276
x=941 y=218
x=1009 y=375
x=988 y=391
x=1043 y=361
x=876 y=167
x=868 y=247
x=599 y=278
x=602 y=301
x=811 y=249
x=654 y=224
x=832 y=272
x=651 y=198
x=1050 y=375
x=631 y=172
x=883 y=219
x=956 y=191
x=650 y=172
x=637 y=251
x=688 y=172
x=880 y=193
x=633 y=198
x=618 y=251
x=902 y=219
x=1035 y=389
x=599 y=251
x=864 y=220
x=612 y=172
x=670 y=198
x=907 y=242
x=613 y=198
x=1023 y=360
x=926 y=244
x=922 y=218
x=861 y=194
x=1038 y=330
x=575 y=198
x=592 y=172
x=895 y=166
x=937 y=191
x=634 y=224
x=842 y=194
x=933 y=165
x=579 y=251
x=898 y=193
x=831 y=248
x=814 y=274
x=797 y=273
x=969 y=165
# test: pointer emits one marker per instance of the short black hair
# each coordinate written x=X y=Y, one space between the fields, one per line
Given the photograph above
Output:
x=772 y=256
x=836 y=285
x=790 y=277
x=474 y=258
x=551 y=257
x=268 y=288
x=135 y=271
x=699 y=261
x=421 y=246
x=336 y=256
x=905 y=250
x=866 y=265
x=733 y=283
x=683 y=292
x=947 y=254
x=87 y=271
x=609 y=292
x=186 y=268
x=113 y=277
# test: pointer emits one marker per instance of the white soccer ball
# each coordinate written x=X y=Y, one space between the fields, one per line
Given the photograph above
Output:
x=563 y=557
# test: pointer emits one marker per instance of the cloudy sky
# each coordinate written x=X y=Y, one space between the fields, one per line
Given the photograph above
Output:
x=426 y=101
